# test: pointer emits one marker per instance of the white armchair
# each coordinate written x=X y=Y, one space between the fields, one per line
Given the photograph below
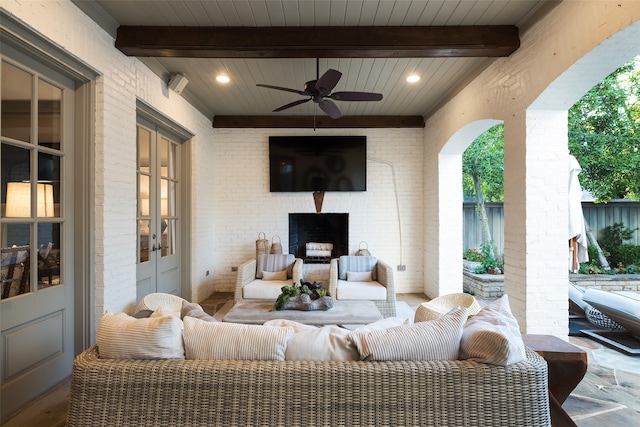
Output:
x=264 y=277
x=363 y=278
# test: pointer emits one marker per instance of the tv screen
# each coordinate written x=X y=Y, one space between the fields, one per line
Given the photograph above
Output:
x=317 y=163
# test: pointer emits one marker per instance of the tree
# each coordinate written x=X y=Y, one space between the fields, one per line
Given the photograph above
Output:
x=483 y=174
x=604 y=135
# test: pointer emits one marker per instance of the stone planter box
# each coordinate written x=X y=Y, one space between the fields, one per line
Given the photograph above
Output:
x=470 y=266
x=490 y=286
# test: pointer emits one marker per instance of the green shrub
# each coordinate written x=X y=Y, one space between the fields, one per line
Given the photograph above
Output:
x=627 y=255
x=632 y=269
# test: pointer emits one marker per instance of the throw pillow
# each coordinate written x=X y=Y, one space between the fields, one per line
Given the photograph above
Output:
x=121 y=336
x=493 y=335
x=275 y=275
x=431 y=340
x=234 y=341
x=193 y=309
x=358 y=276
x=313 y=343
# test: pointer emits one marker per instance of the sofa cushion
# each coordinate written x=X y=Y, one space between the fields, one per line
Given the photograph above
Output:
x=493 y=335
x=360 y=290
x=275 y=275
x=275 y=262
x=192 y=309
x=234 y=341
x=264 y=289
x=357 y=264
x=431 y=340
x=121 y=336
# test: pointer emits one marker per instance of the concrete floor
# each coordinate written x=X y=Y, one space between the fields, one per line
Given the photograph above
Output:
x=609 y=394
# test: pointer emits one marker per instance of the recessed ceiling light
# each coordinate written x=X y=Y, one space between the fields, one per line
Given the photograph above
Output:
x=223 y=79
x=413 y=78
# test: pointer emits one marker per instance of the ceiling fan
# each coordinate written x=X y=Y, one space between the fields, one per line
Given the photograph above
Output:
x=319 y=91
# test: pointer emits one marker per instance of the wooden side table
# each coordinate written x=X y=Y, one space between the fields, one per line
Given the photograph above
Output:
x=567 y=365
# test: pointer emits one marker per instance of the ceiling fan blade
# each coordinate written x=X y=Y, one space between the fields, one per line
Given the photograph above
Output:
x=356 y=96
x=328 y=80
x=330 y=109
x=286 y=89
x=292 y=104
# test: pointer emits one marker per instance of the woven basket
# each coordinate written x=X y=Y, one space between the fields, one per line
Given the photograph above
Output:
x=441 y=305
x=276 y=247
x=598 y=318
x=262 y=245
x=363 y=251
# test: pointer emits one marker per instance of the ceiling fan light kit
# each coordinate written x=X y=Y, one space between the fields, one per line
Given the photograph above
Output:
x=319 y=91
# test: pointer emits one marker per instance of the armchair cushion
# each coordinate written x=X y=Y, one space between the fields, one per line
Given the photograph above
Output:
x=356 y=264
x=373 y=291
x=264 y=289
x=275 y=262
x=357 y=276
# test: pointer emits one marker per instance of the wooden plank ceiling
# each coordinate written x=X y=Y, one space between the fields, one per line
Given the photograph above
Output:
x=285 y=43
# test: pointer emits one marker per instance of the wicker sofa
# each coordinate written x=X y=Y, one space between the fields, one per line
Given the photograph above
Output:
x=106 y=392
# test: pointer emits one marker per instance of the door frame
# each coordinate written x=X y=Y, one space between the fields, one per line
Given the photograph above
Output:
x=147 y=114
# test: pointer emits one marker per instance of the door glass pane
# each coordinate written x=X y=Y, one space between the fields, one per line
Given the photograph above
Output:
x=16 y=103
x=49 y=115
x=144 y=195
x=16 y=182
x=144 y=149
x=171 y=199
x=168 y=237
x=164 y=198
x=15 y=259
x=167 y=158
x=143 y=233
x=48 y=185
x=49 y=255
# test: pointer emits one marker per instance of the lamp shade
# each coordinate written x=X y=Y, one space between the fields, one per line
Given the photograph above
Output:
x=19 y=200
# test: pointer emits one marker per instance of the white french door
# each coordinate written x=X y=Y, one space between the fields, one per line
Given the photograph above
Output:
x=158 y=221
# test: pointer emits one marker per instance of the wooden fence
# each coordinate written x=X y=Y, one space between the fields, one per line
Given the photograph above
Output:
x=598 y=216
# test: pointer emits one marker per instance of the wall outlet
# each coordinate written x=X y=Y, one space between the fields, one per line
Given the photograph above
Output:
x=402 y=267
x=234 y=268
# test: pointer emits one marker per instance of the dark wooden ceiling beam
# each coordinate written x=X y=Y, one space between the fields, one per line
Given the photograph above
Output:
x=318 y=122
x=318 y=42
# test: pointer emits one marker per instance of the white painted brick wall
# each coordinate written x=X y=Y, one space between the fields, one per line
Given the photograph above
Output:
x=243 y=205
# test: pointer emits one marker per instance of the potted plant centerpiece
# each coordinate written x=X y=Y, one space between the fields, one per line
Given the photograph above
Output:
x=305 y=296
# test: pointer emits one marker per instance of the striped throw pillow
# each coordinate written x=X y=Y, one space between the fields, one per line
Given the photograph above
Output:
x=234 y=341
x=431 y=340
x=493 y=335
x=121 y=336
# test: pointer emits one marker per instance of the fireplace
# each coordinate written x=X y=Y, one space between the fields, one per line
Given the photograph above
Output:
x=321 y=228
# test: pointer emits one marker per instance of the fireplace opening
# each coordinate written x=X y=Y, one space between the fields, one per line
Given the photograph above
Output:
x=330 y=228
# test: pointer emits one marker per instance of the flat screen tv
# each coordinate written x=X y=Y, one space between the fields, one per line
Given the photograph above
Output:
x=317 y=163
